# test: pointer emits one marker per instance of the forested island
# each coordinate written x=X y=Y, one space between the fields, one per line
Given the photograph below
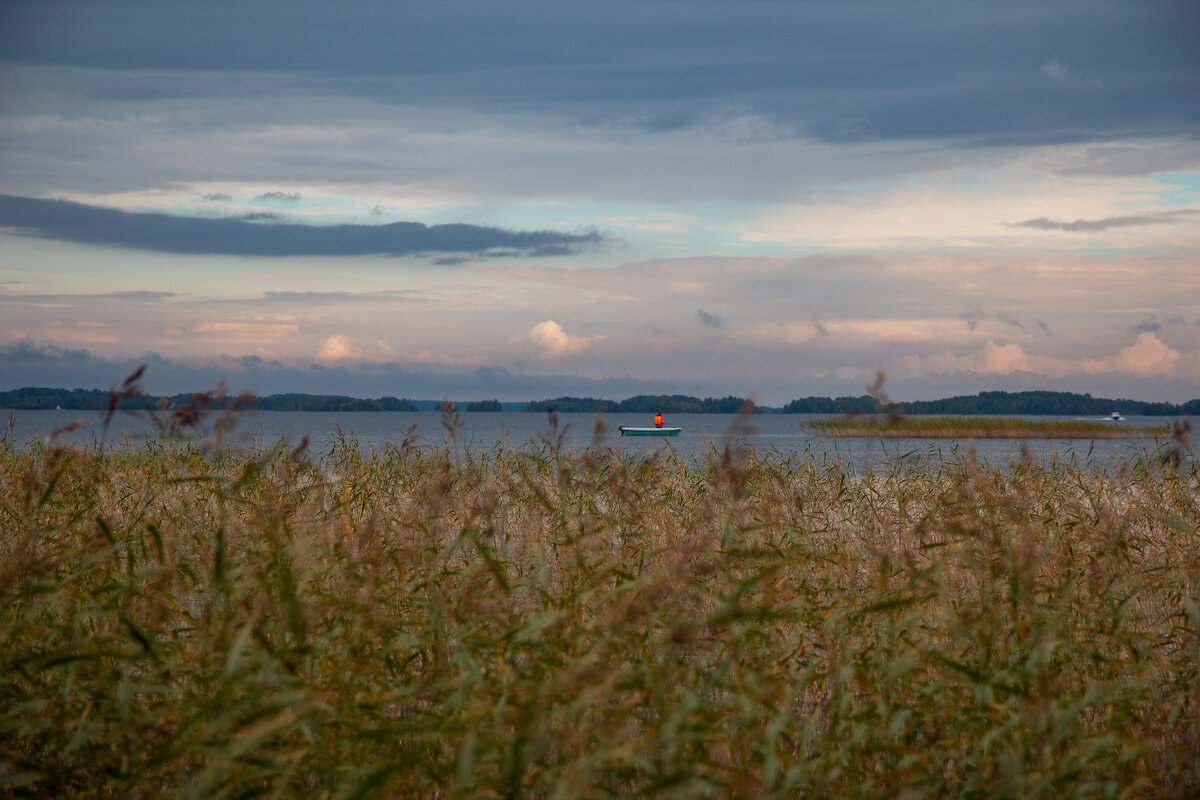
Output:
x=989 y=403
x=984 y=403
x=993 y=403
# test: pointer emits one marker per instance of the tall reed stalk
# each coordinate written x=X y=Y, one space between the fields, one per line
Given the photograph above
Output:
x=186 y=620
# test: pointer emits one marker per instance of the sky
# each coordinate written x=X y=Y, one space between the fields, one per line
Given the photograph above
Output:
x=529 y=199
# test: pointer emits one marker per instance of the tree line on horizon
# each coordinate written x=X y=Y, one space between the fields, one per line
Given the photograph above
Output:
x=30 y=398
x=994 y=402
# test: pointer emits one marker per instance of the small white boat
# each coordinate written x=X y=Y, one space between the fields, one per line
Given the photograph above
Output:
x=1116 y=415
x=629 y=430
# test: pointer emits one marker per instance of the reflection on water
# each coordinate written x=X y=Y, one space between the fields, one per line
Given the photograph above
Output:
x=785 y=435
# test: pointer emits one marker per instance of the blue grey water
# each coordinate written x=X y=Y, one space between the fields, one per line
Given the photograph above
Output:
x=785 y=434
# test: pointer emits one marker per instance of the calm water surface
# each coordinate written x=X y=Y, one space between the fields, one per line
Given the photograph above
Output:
x=786 y=434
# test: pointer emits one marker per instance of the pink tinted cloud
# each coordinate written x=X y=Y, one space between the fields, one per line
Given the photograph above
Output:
x=1147 y=356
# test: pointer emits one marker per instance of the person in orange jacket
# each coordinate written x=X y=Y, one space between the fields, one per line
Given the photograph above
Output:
x=658 y=420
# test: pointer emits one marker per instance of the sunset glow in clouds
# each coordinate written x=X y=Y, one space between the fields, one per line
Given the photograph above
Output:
x=524 y=200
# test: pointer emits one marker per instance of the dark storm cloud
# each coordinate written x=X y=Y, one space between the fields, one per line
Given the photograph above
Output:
x=75 y=222
x=1108 y=223
x=1016 y=71
x=709 y=320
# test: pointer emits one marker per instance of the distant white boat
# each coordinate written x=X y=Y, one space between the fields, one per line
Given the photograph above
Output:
x=1116 y=415
x=627 y=430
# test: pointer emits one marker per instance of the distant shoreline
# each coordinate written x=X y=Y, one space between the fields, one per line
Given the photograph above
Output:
x=997 y=403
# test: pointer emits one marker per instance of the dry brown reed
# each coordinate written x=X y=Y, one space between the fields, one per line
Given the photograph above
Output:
x=186 y=620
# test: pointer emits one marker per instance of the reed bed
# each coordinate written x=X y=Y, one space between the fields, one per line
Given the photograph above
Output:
x=188 y=620
x=976 y=428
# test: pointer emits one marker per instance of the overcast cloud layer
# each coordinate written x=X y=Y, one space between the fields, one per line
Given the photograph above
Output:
x=757 y=198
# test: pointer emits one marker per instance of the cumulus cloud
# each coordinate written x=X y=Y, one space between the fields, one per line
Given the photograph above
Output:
x=339 y=348
x=335 y=348
x=999 y=359
x=991 y=358
x=556 y=342
x=1148 y=356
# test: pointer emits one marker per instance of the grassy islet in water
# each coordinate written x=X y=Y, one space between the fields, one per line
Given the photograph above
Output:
x=975 y=428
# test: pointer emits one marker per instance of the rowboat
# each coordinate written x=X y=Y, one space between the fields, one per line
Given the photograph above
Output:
x=627 y=430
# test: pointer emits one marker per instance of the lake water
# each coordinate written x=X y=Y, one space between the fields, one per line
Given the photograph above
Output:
x=784 y=433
